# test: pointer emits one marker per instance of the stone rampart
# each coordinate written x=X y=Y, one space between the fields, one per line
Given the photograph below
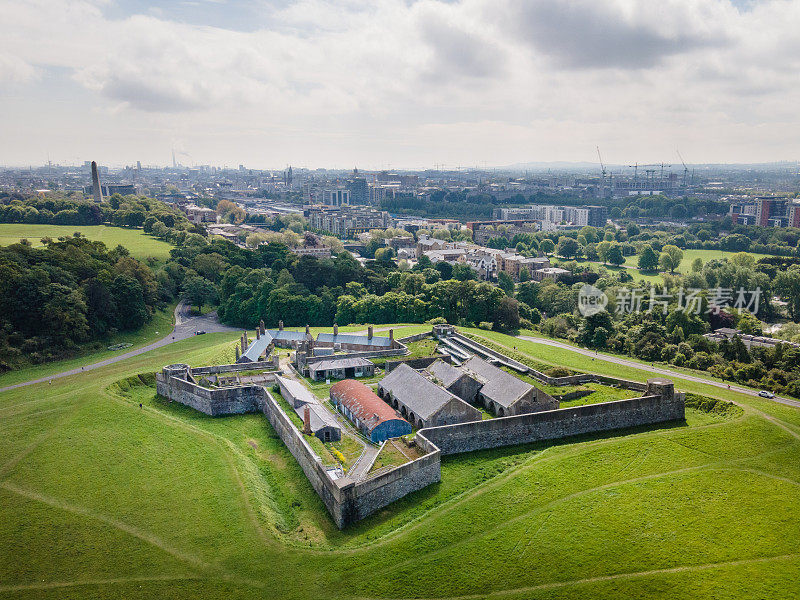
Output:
x=213 y=402
x=414 y=338
x=554 y=424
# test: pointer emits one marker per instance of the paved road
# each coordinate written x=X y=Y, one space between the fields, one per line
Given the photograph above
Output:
x=658 y=370
x=185 y=327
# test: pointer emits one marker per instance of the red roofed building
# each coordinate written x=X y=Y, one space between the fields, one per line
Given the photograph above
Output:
x=371 y=415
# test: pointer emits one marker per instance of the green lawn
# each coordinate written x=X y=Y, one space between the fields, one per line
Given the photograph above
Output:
x=141 y=245
x=690 y=255
x=101 y=498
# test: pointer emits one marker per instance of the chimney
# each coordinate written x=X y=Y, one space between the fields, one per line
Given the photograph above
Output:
x=335 y=329
x=258 y=333
x=307 y=420
x=308 y=330
x=280 y=325
x=263 y=330
x=96 y=190
x=237 y=353
x=391 y=335
x=369 y=332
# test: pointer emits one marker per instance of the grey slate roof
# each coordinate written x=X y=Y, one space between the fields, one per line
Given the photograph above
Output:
x=302 y=397
x=283 y=334
x=444 y=372
x=420 y=395
x=352 y=338
x=500 y=387
x=339 y=363
x=258 y=346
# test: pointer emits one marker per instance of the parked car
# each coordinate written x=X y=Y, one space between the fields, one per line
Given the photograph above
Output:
x=201 y=332
x=766 y=394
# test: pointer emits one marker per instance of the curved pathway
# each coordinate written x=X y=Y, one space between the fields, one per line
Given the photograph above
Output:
x=658 y=370
x=185 y=327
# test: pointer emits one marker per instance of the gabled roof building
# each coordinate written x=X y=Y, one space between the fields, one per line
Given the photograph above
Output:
x=371 y=415
x=423 y=402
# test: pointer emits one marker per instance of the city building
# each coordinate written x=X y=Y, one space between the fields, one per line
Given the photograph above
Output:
x=199 y=214
x=345 y=221
x=336 y=197
x=554 y=273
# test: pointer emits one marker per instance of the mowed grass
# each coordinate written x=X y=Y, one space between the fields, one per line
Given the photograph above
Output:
x=102 y=498
x=140 y=245
x=690 y=255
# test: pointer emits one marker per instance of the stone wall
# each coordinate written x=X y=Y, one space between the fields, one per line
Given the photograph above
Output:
x=555 y=424
x=414 y=338
x=308 y=360
x=251 y=366
x=213 y=402
x=366 y=497
x=416 y=363
x=348 y=501
x=329 y=490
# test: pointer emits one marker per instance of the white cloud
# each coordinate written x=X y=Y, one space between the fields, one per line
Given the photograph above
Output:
x=499 y=80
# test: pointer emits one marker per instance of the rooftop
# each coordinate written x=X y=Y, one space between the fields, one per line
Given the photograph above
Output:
x=352 y=338
x=420 y=395
x=363 y=403
x=500 y=386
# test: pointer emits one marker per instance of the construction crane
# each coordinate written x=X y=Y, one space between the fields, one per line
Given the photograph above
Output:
x=685 y=168
x=649 y=173
x=603 y=176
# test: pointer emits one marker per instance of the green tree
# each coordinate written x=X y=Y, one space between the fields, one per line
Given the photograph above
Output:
x=697 y=265
x=198 y=291
x=505 y=283
x=568 y=247
x=602 y=251
x=648 y=259
x=671 y=257
x=787 y=284
x=547 y=247
x=614 y=254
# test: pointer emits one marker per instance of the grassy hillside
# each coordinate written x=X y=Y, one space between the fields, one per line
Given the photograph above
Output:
x=140 y=245
x=102 y=498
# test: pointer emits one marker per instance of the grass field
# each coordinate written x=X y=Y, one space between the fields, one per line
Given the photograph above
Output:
x=685 y=267
x=101 y=498
x=689 y=257
x=141 y=245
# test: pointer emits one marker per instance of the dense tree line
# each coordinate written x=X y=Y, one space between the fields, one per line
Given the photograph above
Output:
x=67 y=293
x=58 y=209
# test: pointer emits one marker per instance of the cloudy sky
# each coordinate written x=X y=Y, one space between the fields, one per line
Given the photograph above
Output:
x=398 y=83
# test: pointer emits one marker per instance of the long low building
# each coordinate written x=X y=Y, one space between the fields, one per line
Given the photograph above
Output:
x=371 y=415
x=321 y=421
x=423 y=402
x=341 y=368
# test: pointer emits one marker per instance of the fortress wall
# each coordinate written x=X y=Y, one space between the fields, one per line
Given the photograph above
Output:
x=554 y=424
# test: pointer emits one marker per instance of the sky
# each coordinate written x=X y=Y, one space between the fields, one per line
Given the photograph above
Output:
x=398 y=83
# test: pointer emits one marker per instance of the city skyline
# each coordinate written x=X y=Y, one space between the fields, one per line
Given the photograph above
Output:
x=398 y=85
